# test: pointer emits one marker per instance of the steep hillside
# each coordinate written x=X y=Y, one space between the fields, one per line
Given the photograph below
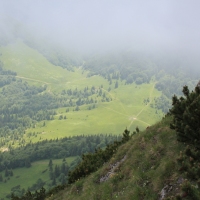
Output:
x=152 y=164
x=140 y=169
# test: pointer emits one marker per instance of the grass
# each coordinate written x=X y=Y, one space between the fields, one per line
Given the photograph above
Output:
x=108 y=117
x=26 y=177
x=33 y=67
x=127 y=108
x=151 y=155
x=150 y=165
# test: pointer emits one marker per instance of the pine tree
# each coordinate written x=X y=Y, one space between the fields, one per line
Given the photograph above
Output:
x=1 y=178
x=6 y=172
x=50 y=164
x=186 y=116
x=116 y=84
x=186 y=123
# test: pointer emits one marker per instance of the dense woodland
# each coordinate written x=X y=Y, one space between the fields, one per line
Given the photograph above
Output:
x=53 y=149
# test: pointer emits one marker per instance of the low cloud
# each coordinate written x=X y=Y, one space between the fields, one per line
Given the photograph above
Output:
x=89 y=26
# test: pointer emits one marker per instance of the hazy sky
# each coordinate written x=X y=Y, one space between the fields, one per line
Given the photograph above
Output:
x=110 y=24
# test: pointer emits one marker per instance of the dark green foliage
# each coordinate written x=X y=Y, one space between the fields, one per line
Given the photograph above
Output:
x=72 y=146
x=186 y=113
x=1 y=178
x=116 y=84
x=126 y=135
x=6 y=72
x=36 y=186
x=189 y=162
x=162 y=103
x=31 y=196
x=186 y=123
x=56 y=190
x=190 y=192
x=92 y=161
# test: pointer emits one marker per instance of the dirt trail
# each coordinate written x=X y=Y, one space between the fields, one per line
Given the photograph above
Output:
x=113 y=97
x=31 y=79
x=134 y=117
x=150 y=97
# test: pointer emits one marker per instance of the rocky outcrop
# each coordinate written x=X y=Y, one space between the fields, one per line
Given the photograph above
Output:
x=171 y=187
x=111 y=171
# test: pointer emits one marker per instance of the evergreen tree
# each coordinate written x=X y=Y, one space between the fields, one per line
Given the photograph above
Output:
x=116 y=84
x=186 y=116
x=57 y=171
x=6 y=172
x=11 y=172
x=186 y=123
x=27 y=163
x=54 y=181
x=50 y=164
x=1 y=178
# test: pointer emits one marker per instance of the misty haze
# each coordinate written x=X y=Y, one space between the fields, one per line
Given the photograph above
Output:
x=84 y=77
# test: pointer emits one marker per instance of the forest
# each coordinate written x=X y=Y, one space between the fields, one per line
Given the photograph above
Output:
x=53 y=149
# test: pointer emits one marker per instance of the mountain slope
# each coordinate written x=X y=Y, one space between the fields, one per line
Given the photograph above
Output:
x=33 y=67
x=145 y=165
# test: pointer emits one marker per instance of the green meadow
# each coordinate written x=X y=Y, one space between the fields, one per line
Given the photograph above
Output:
x=127 y=108
x=26 y=177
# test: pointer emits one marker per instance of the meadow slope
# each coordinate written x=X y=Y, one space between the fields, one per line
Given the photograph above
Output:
x=127 y=108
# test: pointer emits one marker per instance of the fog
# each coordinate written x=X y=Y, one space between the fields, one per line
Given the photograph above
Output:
x=108 y=25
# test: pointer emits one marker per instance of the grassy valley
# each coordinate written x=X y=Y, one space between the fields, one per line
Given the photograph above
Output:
x=99 y=100
x=55 y=112
x=33 y=178
x=122 y=110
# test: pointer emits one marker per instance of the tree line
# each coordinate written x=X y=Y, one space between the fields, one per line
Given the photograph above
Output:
x=53 y=149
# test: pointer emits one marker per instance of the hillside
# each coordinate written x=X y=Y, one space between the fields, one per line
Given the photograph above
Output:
x=48 y=111
x=143 y=168
x=140 y=169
